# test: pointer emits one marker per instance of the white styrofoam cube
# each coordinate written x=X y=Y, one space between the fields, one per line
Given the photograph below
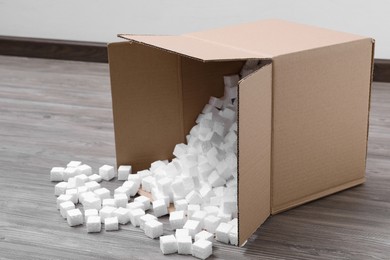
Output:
x=148 y=183
x=159 y=208
x=57 y=174
x=171 y=170
x=91 y=202
x=122 y=214
x=188 y=183
x=204 y=235
x=65 y=206
x=102 y=193
x=168 y=244
x=144 y=200
x=219 y=191
x=184 y=245
x=89 y=213
x=92 y=185
x=180 y=232
x=71 y=183
x=177 y=187
x=85 y=195
x=123 y=172
x=73 y=193
x=94 y=224
x=193 y=227
x=107 y=172
x=231 y=80
x=144 y=173
x=74 y=164
x=180 y=150
x=60 y=188
x=111 y=224
x=222 y=232
x=145 y=218
x=85 y=169
x=95 y=177
x=202 y=249
x=234 y=222
x=155 y=165
x=206 y=192
x=134 y=178
x=181 y=204
x=229 y=204
x=80 y=180
x=135 y=205
x=81 y=190
x=199 y=216
x=225 y=217
x=135 y=216
x=121 y=200
x=69 y=172
x=74 y=217
x=177 y=219
x=211 y=223
x=215 y=180
x=63 y=198
x=216 y=102
x=106 y=212
x=193 y=197
x=191 y=208
x=233 y=236
x=216 y=201
x=211 y=210
x=125 y=190
x=153 y=229
x=164 y=184
x=133 y=187
x=109 y=202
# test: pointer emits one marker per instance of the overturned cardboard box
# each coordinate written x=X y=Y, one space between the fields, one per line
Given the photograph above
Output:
x=302 y=117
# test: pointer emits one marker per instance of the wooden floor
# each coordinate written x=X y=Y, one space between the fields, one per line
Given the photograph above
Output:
x=52 y=112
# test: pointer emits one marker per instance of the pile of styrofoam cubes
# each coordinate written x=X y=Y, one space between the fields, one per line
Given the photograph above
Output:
x=201 y=182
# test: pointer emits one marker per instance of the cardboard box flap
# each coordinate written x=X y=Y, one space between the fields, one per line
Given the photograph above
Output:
x=194 y=48
x=254 y=151
x=274 y=37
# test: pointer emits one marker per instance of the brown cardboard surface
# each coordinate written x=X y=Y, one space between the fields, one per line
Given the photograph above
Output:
x=254 y=151
x=147 y=103
x=320 y=118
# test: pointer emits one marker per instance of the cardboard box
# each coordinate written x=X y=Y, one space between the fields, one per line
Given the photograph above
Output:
x=302 y=118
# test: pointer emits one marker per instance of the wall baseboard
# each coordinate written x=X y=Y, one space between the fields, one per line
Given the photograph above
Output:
x=97 y=52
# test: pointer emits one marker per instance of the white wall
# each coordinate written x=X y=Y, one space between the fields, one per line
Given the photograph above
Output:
x=100 y=21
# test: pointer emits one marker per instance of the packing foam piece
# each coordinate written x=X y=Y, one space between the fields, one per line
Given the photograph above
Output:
x=229 y=205
x=107 y=172
x=225 y=217
x=216 y=140
x=215 y=180
x=231 y=92
x=231 y=183
x=153 y=229
x=102 y=193
x=148 y=182
x=159 y=208
x=121 y=200
x=85 y=169
x=85 y=195
x=71 y=183
x=135 y=216
x=219 y=191
x=123 y=172
x=177 y=187
x=188 y=183
x=222 y=232
x=156 y=164
x=216 y=102
x=125 y=190
x=164 y=185
x=177 y=219
x=81 y=190
x=106 y=212
x=144 y=173
x=160 y=173
x=109 y=202
x=204 y=235
x=212 y=156
x=74 y=164
x=92 y=185
x=171 y=170
x=144 y=200
x=223 y=170
x=211 y=223
x=74 y=217
x=181 y=232
x=89 y=213
x=122 y=214
x=184 y=245
x=60 y=188
x=231 y=80
x=193 y=227
x=181 y=204
x=95 y=177
x=69 y=172
x=74 y=194
x=233 y=236
x=111 y=224
x=206 y=191
x=202 y=249
x=57 y=174
x=194 y=197
x=191 y=209
x=234 y=222
x=215 y=201
x=228 y=113
x=92 y=202
x=135 y=205
x=199 y=216
x=157 y=195
x=180 y=150
x=133 y=186
x=94 y=224
x=145 y=218
x=81 y=179
x=134 y=178
x=65 y=206
x=168 y=244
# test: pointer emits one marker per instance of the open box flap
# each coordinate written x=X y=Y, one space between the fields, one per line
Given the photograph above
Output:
x=254 y=150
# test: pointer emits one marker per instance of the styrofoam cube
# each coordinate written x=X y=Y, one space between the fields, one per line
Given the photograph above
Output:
x=63 y=198
x=85 y=195
x=233 y=236
x=215 y=180
x=168 y=244
x=229 y=205
x=211 y=210
x=145 y=218
x=74 y=217
x=135 y=205
x=85 y=169
x=216 y=201
x=193 y=227
x=153 y=229
x=164 y=185
x=180 y=232
x=121 y=200
x=199 y=216
x=148 y=183
x=92 y=185
x=65 y=206
x=74 y=194
x=134 y=178
x=216 y=102
x=135 y=216
x=222 y=232
x=102 y=193
x=184 y=245
x=74 y=164
x=233 y=222
x=191 y=208
x=109 y=202
x=181 y=204
x=60 y=188
x=81 y=190
x=122 y=214
x=57 y=174
x=123 y=172
x=177 y=219
x=202 y=249
x=211 y=223
x=157 y=195
x=144 y=200
x=159 y=208
x=106 y=212
x=71 y=183
x=231 y=80
x=177 y=187
x=194 y=197
x=180 y=150
x=144 y=173
x=111 y=224
x=133 y=187
x=80 y=180
x=107 y=172
x=123 y=190
x=204 y=235
x=206 y=192
x=155 y=165
x=69 y=172
x=89 y=213
x=94 y=224
x=95 y=177
x=91 y=202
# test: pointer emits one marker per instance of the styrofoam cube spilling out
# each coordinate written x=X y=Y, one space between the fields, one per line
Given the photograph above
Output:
x=168 y=244
x=121 y=200
x=122 y=214
x=89 y=213
x=85 y=169
x=107 y=172
x=60 y=188
x=153 y=229
x=145 y=218
x=95 y=177
x=182 y=232
x=62 y=198
x=199 y=216
x=132 y=187
x=65 y=206
x=193 y=227
x=144 y=200
x=73 y=164
x=123 y=172
x=92 y=202
x=135 y=205
x=111 y=224
x=159 y=208
x=204 y=235
x=69 y=172
x=102 y=193
x=184 y=245
x=93 y=224
x=202 y=249
x=106 y=212
x=92 y=185
x=222 y=232
x=211 y=223
x=57 y=174
x=109 y=202
x=74 y=217
x=233 y=236
x=181 y=204
x=135 y=216
x=177 y=219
